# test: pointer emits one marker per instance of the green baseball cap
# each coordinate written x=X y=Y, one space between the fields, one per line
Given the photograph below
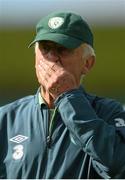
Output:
x=65 y=28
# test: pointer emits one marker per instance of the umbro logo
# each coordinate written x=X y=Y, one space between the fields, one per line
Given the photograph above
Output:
x=19 y=138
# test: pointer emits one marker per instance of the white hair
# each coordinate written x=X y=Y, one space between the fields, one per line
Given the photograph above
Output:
x=36 y=45
x=87 y=51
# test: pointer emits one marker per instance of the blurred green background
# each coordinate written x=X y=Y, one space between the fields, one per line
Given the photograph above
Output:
x=17 y=72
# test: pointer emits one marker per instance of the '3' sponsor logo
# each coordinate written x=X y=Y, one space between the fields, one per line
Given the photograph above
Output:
x=120 y=122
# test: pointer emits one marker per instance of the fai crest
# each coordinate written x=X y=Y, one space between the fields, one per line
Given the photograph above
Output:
x=55 y=22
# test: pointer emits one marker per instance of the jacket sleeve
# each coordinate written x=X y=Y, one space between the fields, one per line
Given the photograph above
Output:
x=104 y=142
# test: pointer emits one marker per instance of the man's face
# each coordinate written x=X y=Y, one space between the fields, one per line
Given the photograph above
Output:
x=70 y=59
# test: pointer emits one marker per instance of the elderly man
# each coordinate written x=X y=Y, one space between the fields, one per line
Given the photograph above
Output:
x=62 y=131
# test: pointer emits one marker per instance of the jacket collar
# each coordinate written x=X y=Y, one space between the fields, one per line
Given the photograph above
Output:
x=40 y=101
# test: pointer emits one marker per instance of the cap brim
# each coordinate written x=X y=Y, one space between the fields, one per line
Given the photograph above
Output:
x=62 y=39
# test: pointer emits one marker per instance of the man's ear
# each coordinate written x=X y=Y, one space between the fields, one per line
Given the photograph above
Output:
x=88 y=64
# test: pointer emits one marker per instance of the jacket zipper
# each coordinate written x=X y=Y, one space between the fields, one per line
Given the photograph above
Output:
x=50 y=129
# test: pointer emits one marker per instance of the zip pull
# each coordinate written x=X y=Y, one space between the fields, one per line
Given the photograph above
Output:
x=48 y=141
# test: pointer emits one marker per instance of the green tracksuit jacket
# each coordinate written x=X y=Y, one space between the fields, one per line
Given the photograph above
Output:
x=85 y=138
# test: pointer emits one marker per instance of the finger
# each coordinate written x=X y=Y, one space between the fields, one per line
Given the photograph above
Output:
x=48 y=67
x=44 y=65
x=52 y=65
x=43 y=81
x=43 y=72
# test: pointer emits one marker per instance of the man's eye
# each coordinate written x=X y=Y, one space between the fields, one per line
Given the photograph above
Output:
x=45 y=49
x=62 y=49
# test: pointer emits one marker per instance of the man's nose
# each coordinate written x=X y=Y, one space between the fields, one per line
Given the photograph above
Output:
x=52 y=55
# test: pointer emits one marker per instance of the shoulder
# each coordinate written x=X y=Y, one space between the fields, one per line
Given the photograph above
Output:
x=106 y=108
x=101 y=103
x=16 y=113
x=108 y=103
x=20 y=103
